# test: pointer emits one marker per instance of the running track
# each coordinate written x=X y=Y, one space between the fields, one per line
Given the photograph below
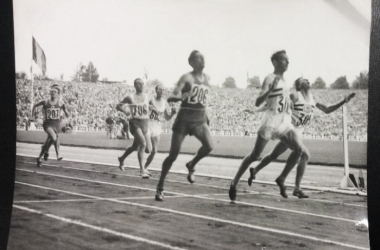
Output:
x=74 y=204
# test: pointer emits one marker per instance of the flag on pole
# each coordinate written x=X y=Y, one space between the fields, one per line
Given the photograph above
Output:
x=39 y=56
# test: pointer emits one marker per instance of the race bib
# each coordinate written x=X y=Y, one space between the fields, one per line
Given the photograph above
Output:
x=283 y=104
x=198 y=94
x=140 y=110
x=53 y=113
x=155 y=115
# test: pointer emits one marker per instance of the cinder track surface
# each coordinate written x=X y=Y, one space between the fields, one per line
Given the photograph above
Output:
x=72 y=204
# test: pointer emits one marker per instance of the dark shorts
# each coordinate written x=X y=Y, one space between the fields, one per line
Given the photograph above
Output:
x=54 y=124
x=185 y=127
x=188 y=120
x=142 y=124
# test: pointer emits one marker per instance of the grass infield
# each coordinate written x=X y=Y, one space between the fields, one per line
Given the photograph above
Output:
x=323 y=152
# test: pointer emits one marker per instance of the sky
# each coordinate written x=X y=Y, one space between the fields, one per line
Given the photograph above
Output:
x=126 y=38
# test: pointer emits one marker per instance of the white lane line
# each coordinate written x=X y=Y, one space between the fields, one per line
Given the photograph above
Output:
x=191 y=196
x=97 y=228
x=198 y=184
x=80 y=200
x=325 y=189
x=266 y=229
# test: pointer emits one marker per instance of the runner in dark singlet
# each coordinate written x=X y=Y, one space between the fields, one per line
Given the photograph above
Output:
x=194 y=88
x=52 y=108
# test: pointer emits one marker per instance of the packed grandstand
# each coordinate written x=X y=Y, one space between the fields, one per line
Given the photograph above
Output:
x=90 y=104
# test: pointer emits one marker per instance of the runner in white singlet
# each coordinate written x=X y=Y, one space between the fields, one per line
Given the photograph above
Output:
x=157 y=114
x=302 y=113
x=138 y=104
x=276 y=124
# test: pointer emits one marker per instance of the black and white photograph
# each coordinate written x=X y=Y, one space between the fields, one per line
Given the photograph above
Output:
x=182 y=124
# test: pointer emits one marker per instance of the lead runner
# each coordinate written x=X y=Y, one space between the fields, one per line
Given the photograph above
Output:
x=302 y=114
x=191 y=119
x=276 y=124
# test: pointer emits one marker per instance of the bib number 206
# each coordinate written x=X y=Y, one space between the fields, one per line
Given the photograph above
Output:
x=198 y=95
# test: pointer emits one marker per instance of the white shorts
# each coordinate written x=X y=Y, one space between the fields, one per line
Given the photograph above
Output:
x=274 y=126
x=299 y=130
x=154 y=128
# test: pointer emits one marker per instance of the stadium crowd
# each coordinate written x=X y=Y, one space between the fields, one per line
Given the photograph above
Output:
x=90 y=104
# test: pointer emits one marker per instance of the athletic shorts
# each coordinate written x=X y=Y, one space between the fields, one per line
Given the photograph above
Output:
x=299 y=130
x=274 y=126
x=134 y=124
x=54 y=124
x=188 y=120
x=155 y=128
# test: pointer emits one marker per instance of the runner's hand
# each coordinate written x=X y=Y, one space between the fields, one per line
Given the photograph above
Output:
x=274 y=83
x=349 y=97
x=185 y=96
x=249 y=111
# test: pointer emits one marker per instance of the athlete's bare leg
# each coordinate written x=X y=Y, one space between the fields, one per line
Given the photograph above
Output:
x=278 y=150
x=139 y=144
x=260 y=144
x=202 y=133
x=154 y=141
x=53 y=137
x=294 y=142
x=175 y=148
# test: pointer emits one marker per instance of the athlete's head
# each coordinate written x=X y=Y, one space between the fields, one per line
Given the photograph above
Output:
x=139 y=85
x=159 y=90
x=302 y=83
x=55 y=91
x=196 y=60
x=280 y=61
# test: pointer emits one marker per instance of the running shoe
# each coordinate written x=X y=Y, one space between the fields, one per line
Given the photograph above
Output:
x=251 y=177
x=232 y=192
x=282 y=188
x=39 y=162
x=144 y=175
x=46 y=156
x=159 y=195
x=190 y=176
x=300 y=194
x=121 y=164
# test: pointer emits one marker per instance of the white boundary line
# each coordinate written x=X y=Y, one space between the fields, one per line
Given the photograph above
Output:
x=80 y=200
x=266 y=229
x=101 y=229
x=198 y=184
x=191 y=196
x=333 y=190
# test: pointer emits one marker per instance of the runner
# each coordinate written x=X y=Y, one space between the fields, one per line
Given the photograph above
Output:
x=191 y=119
x=159 y=111
x=303 y=110
x=52 y=108
x=138 y=124
x=276 y=124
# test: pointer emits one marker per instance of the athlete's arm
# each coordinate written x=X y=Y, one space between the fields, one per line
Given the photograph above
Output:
x=119 y=106
x=266 y=89
x=332 y=108
x=294 y=99
x=175 y=96
x=63 y=107
x=37 y=105
x=172 y=113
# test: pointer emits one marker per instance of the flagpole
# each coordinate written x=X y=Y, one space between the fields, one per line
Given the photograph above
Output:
x=31 y=71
